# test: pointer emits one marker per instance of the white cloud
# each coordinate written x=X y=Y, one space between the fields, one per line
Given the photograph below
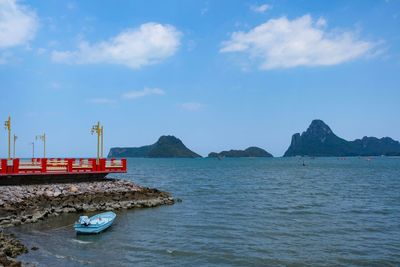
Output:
x=102 y=101
x=321 y=22
x=260 y=8
x=283 y=43
x=191 y=106
x=18 y=24
x=142 y=93
x=135 y=48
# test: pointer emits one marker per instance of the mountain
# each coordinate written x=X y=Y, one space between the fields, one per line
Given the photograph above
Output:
x=372 y=146
x=167 y=146
x=319 y=141
x=248 y=152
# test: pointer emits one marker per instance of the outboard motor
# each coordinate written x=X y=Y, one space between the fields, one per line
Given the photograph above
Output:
x=84 y=220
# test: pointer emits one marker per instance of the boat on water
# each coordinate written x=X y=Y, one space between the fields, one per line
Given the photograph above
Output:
x=94 y=224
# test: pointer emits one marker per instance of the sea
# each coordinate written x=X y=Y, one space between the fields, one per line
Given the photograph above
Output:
x=241 y=212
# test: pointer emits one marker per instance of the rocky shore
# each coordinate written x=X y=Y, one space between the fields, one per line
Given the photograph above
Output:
x=21 y=204
x=9 y=249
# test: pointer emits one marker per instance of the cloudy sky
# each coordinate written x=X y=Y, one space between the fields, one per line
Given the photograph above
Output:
x=217 y=74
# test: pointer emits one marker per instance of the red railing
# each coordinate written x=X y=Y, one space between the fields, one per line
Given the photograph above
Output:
x=61 y=166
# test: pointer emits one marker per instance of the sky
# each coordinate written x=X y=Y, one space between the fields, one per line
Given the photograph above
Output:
x=219 y=75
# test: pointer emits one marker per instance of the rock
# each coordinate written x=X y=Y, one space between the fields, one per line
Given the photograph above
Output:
x=116 y=206
x=48 y=193
x=85 y=206
x=73 y=189
x=9 y=208
x=16 y=222
x=36 y=216
x=8 y=261
x=31 y=203
x=92 y=208
x=68 y=209
x=11 y=247
x=5 y=221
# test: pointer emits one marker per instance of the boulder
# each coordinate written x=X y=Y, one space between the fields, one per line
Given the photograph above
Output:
x=73 y=189
x=48 y=193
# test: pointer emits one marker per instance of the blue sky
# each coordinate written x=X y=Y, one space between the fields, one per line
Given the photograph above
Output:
x=217 y=74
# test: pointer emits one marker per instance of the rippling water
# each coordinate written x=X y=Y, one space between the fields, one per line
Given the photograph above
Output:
x=242 y=212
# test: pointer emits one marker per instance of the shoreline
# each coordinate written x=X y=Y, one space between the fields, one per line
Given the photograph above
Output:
x=22 y=204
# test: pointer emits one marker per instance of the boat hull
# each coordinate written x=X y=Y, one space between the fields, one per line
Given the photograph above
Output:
x=108 y=217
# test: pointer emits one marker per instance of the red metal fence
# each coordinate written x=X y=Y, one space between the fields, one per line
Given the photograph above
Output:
x=61 y=166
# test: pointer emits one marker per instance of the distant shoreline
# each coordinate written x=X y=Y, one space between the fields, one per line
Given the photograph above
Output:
x=317 y=141
x=269 y=158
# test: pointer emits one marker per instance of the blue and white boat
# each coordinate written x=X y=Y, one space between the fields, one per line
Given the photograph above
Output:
x=94 y=224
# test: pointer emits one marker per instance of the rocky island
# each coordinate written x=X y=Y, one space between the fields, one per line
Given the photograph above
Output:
x=248 y=152
x=167 y=146
x=320 y=141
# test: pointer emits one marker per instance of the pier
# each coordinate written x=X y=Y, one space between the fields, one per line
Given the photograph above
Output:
x=14 y=171
x=42 y=170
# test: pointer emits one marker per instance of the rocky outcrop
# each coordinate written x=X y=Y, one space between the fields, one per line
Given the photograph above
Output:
x=167 y=146
x=319 y=141
x=30 y=203
x=10 y=248
x=248 y=152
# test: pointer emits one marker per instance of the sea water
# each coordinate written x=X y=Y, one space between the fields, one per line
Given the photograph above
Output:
x=242 y=212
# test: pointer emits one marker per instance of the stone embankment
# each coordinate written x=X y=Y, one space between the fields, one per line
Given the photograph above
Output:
x=21 y=204
x=29 y=203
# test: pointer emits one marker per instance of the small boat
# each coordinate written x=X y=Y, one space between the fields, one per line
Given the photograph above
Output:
x=94 y=224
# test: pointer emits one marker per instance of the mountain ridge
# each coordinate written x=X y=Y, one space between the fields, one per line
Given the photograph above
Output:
x=252 y=151
x=319 y=140
x=167 y=146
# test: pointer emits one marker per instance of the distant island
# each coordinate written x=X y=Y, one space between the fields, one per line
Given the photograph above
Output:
x=167 y=146
x=317 y=141
x=320 y=141
x=248 y=152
